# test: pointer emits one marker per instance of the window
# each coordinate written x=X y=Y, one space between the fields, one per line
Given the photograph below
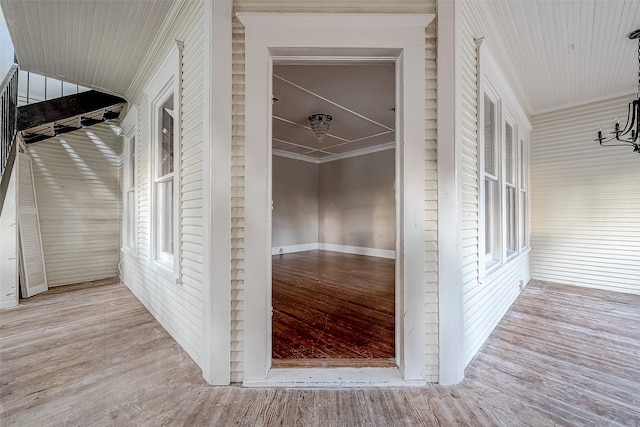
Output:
x=502 y=150
x=163 y=94
x=130 y=193
x=524 y=205
x=164 y=181
x=129 y=182
x=510 y=190
x=491 y=188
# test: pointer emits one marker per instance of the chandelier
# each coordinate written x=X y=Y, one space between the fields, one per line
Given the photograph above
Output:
x=320 y=124
x=628 y=136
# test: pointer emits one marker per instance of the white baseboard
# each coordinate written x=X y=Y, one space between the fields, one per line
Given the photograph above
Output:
x=277 y=250
x=381 y=253
x=8 y=304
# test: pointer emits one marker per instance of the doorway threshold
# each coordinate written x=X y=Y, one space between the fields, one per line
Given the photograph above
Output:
x=345 y=377
x=333 y=363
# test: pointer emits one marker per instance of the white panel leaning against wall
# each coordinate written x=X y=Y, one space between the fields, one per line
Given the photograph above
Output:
x=164 y=97
x=503 y=168
x=129 y=132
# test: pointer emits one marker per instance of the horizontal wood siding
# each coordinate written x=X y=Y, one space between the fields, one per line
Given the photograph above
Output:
x=585 y=200
x=237 y=200
x=76 y=179
x=484 y=302
x=237 y=205
x=431 y=199
x=177 y=307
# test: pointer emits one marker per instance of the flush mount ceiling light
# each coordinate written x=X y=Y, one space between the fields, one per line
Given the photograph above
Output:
x=320 y=124
x=627 y=137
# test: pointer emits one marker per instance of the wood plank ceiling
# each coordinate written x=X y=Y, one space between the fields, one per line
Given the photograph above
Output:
x=94 y=43
x=564 y=52
x=556 y=52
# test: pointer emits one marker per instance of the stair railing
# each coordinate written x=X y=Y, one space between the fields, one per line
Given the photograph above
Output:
x=8 y=128
x=8 y=116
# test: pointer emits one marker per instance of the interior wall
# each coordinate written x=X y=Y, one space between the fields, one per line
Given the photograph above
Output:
x=295 y=202
x=585 y=200
x=178 y=305
x=347 y=202
x=357 y=201
x=77 y=189
x=485 y=299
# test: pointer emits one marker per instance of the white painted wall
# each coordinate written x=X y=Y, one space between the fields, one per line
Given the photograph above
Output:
x=585 y=200
x=485 y=300
x=76 y=182
x=8 y=246
x=178 y=307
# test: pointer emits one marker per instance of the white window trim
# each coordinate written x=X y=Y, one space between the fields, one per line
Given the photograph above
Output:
x=492 y=81
x=129 y=130
x=164 y=82
x=507 y=117
x=524 y=244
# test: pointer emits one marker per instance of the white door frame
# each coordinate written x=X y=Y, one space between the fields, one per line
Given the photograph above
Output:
x=322 y=36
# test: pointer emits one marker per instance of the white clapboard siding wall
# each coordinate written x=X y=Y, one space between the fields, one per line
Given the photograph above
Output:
x=585 y=200
x=177 y=307
x=237 y=166
x=76 y=180
x=32 y=266
x=484 y=302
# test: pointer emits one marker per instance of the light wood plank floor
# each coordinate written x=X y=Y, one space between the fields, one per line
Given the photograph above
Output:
x=93 y=356
x=332 y=305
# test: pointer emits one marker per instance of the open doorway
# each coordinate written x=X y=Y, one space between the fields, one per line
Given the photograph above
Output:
x=334 y=216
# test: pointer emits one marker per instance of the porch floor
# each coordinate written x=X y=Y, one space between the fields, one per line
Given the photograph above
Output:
x=92 y=355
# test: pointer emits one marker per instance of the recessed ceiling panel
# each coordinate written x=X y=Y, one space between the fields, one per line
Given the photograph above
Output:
x=359 y=97
x=368 y=90
x=299 y=135
x=361 y=145
x=291 y=148
x=296 y=104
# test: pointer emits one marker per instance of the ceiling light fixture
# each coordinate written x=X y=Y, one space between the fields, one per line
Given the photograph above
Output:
x=320 y=124
x=627 y=137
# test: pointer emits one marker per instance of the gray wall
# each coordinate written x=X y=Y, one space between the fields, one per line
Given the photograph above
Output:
x=357 y=201
x=295 y=202
x=345 y=202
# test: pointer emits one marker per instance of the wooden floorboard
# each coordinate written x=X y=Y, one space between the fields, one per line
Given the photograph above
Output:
x=93 y=356
x=332 y=305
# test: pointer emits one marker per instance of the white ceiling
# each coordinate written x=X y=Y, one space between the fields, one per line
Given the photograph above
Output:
x=560 y=52
x=94 y=43
x=564 y=52
x=361 y=99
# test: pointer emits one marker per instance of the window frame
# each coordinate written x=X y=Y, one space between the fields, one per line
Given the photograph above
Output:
x=164 y=84
x=492 y=83
x=130 y=180
x=492 y=257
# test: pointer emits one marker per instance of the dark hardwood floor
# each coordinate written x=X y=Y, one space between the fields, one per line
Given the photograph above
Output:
x=92 y=355
x=332 y=305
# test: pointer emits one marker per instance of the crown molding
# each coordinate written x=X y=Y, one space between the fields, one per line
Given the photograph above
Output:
x=334 y=157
